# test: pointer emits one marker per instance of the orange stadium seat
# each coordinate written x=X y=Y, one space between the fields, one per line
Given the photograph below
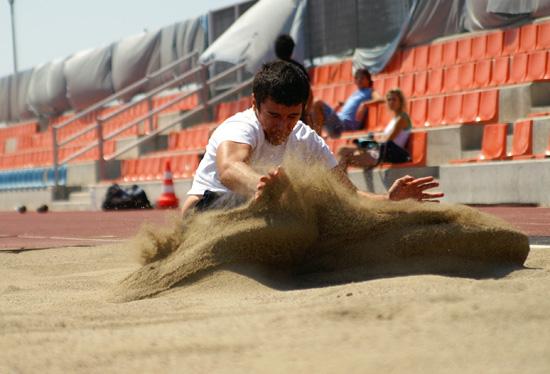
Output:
x=340 y=94
x=407 y=60
x=510 y=43
x=518 y=68
x=479 y=47
x=500 y=71
x=488 y=106
x=420 y=83
x=417 y=148
x=528 y=38
x=494 y=44
x=419 y=112
x=451 y=81
x=436 y=111
x=350 y=88
x=435 y=55
x=464 y=50
x=536 y=65
x=333 y=73
x=543 y=35
x=522 y=141
x=372 y=117
x=482 y=74
x=435 y=81
x=466 y=75
x=378 y=85
x=493 y=145
x=470 y=107
x=406 y=84
x=390 y=82
x=449 y=53
x=346 y=71
x=453 y=109
x=384 y=116
x=394 y=65
x=421 y=57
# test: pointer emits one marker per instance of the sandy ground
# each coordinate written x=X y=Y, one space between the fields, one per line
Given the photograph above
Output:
x=54 y=317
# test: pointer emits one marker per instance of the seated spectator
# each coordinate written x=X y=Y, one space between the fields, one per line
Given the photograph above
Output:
x=390 y=145
x=284 y=46
x=349 y=115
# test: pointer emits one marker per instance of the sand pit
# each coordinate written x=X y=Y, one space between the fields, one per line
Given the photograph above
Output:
x=320 y=228
x=54 y=319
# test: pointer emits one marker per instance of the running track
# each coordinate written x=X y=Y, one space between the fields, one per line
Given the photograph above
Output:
x=61 y=229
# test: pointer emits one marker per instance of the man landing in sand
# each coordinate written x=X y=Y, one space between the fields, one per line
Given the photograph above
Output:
x=244 y=154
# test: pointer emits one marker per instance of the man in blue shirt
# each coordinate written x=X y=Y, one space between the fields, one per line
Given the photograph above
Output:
x=350 y=115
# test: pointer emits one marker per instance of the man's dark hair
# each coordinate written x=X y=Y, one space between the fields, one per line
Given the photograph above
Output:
x=364 y=72
x=284 y=46
x=281 y=81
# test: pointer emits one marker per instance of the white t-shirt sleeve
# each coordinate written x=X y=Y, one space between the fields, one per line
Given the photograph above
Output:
x=238 y=132
x=318 y=150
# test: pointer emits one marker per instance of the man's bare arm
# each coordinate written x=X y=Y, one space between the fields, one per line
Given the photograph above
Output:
x=235 y=173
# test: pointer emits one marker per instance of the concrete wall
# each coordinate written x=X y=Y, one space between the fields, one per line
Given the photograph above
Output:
x=87 y=173
x=31 y=198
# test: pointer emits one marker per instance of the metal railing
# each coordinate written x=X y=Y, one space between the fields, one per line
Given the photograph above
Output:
x=201 y=87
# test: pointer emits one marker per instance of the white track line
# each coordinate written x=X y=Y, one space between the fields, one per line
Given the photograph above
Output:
x=539 y=246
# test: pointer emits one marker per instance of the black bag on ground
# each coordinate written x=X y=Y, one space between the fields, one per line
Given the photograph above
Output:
x=117 y=198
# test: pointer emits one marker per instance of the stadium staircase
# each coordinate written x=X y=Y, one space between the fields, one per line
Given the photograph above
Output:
x=473 y=99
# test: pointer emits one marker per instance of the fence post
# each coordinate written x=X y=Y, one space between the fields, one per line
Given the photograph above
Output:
x=55 y=158
x=101 y=158
x=205 y=93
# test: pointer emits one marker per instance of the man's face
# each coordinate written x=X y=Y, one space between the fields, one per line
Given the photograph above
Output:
x=277 y=120
x=361 y=81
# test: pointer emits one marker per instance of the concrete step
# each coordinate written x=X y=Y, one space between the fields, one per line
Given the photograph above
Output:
x=67 y=206
x=80 y=197
x=539 y=109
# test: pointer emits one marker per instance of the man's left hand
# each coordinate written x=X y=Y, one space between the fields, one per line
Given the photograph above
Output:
x=410 y=188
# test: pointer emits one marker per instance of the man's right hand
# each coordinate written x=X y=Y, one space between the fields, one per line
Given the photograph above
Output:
x=273 y=183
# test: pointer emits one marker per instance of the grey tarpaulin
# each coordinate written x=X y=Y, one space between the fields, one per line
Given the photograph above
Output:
x=250 y=39
x=5 y=98
x=88 y=76
x=47 y=92
x=18 y=91
x=133 y=58
x=431 y=19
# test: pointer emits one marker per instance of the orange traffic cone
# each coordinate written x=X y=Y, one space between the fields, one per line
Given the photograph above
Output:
x=168 y=198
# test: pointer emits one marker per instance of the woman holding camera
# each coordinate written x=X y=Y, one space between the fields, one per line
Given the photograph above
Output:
x=388 y=146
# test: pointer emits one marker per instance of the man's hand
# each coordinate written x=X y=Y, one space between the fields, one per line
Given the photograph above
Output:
x=273 y=183
x=410 y=188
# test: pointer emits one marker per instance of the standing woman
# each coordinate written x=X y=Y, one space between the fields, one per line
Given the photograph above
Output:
x=392 y=142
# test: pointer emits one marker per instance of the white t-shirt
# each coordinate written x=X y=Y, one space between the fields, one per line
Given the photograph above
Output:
x=245 y=128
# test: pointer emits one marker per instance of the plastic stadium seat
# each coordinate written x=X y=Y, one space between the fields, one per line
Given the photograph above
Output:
x=543 y=35
x=453 y=109
x=449 y=53
x=493 y=145
x=451 y=82
x=466 y=74
x=470 y=107
x=377 y=84
x=536 y=65
x=420 y=83
x=518 y=68
x=327 y=95
x=334 y=73
x=510 y=42
x=384 y=116
x=394 y=65
x=500 y=71
x=372 y=117
x=435 y=81
x=417 y=147
x=488 y=106
x=390 y=82
x=419 y=112
x=346 y=71
x=407 y=60
x=464 y=50
x=522 y=141
x=494 y=44
x=482 y=73
x=436 y=111
x=421 y=57
x=340 y=94
x=479 y=47
x=321 y=75
x=528 y=38
x=406 y=84
x=350 y=89
x=435 y=55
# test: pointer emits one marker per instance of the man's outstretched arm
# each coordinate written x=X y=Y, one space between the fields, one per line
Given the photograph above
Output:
x=403 y=188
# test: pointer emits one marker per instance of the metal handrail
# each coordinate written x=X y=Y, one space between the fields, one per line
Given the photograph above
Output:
x=126 y=90
x=181 y=118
